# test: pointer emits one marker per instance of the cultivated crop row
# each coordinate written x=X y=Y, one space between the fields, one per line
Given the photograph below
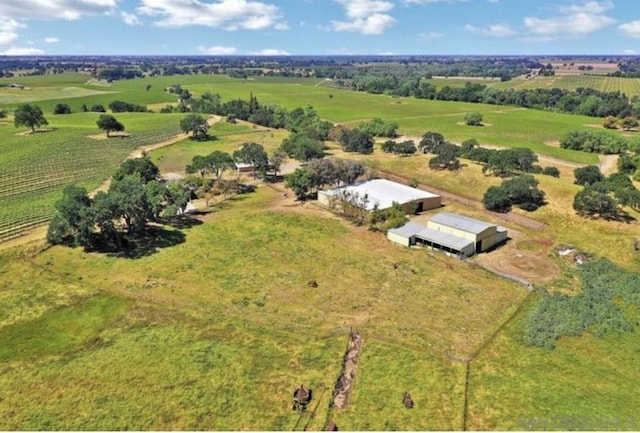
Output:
x=35 y=169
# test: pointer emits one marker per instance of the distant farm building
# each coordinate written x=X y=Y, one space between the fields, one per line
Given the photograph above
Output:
x=380 y=194
x=244 y=167
x=452 y=233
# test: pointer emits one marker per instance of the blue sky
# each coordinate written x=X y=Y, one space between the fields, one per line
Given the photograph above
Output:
x=320 y=27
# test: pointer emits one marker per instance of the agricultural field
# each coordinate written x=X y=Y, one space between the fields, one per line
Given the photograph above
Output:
x=34 y=168
x=628 y=86
x=215 y=323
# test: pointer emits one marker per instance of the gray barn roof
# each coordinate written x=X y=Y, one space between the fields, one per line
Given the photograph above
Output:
x=469 y=225
x=444 y=239
x=408 y=230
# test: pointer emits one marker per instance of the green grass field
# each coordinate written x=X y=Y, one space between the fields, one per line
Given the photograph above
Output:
x=212 y=343
x=215 y=328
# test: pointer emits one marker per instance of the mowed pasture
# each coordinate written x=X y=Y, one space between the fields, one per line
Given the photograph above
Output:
x=216 y=332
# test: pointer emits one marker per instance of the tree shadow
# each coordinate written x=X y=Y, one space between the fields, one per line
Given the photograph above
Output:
x=148 y=242
x=184 y=222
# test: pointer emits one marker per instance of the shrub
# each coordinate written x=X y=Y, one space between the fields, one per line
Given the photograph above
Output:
x=473 y=118
x=551 y=171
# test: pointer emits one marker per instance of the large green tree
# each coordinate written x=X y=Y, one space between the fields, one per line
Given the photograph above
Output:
x=30 y=116
x=300 y=182
x=253 y=154
x=194 y=124
x=143 y=167
x=588 y=175
x=130 y=201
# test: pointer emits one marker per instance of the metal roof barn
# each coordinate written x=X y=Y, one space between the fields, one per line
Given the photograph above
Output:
x=460 y=222
x=381 y=194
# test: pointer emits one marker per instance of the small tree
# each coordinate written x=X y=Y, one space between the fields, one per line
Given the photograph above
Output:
x=29 y=115
x=109 y=124
x=430 y=141
x=551 y=171
x=62 y=109
x=610 y=122
x=629 y=122
x=300 y=182
x=593 y=202
x=254 y=154
x=404 y=148
x=588 y=175
x=473 y=118
x=194 y=124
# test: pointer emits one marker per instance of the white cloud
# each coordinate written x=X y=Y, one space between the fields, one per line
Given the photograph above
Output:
x=217 y=50
x=55 y=9
x=51 y=40
x=367 y=17
x=573 y=20
x=365 y=8
x=434 y=1
x=270 y=52
x=629 y=52
x=8 y=30
x=371 y=25
x=631 y=29
x=497 y=30
x=130 y=19
x=430 y=36
x=226 y=14
x=17 y=51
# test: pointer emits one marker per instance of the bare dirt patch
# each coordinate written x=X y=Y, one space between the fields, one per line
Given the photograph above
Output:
x=608 y=164
x=523 y=258
x=483 y=124
x=552 y=143
x=103 y=136
x=36 y=131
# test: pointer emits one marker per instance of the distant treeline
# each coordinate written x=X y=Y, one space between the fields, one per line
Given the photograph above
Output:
x=588 y=102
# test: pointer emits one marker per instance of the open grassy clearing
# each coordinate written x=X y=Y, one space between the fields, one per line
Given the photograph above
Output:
x=216 y=332
x=21 y=96
x=146 y=368
x=385 y=372
x=229 y=137
x=586 y=383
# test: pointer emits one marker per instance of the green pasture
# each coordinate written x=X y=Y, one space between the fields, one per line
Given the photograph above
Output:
x=212 y=327
x=586 y=383
x=216 y=332
x=225 y=137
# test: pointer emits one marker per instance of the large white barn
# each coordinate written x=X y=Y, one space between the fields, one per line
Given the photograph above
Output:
x=450 y=232
x=379 y=194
